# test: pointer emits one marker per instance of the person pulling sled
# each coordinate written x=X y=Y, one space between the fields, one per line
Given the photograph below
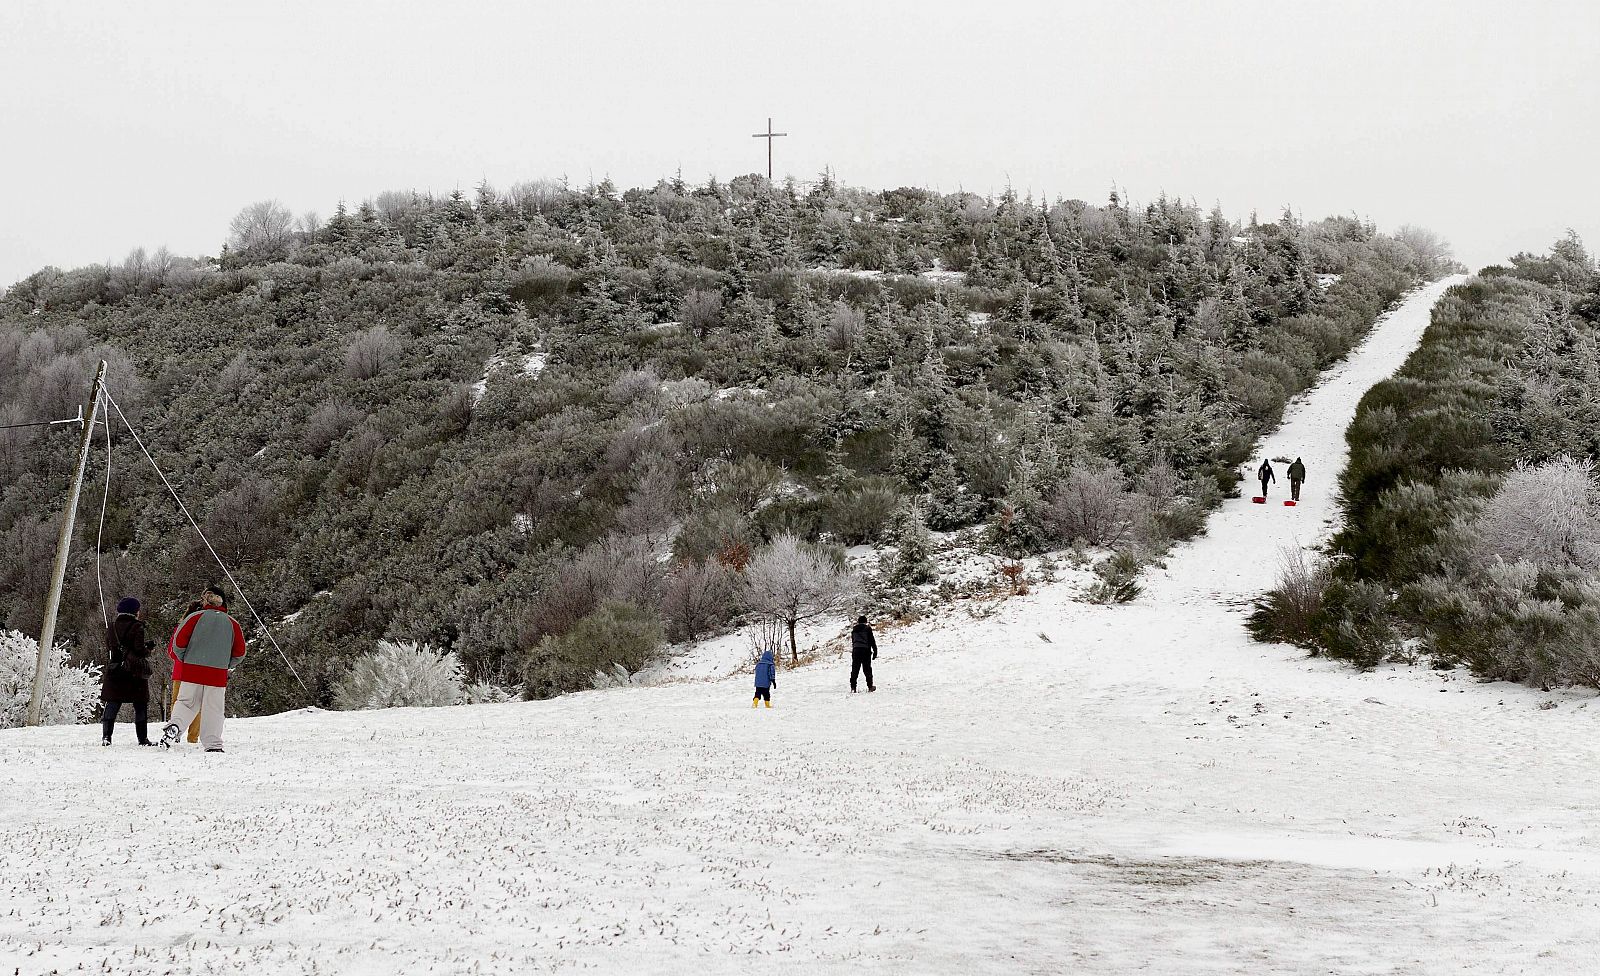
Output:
x=1266 y=476
x=1297 y=474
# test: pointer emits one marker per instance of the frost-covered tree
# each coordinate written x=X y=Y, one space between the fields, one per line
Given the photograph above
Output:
x=71 y=695
x=401 y=674
x=792 y=581
x=1547 y=515
x=261 y=231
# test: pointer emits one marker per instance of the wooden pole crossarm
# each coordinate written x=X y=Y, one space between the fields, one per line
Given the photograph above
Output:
x=58 y=575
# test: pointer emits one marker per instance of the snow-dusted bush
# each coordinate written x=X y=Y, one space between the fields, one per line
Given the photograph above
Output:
x=1513 y=622
x=401 y=674
x=1291 y=612
x=485 y=693
x=618 y=676
x=617 y=634
x=1119 y=579
x=71 y=694
x=1358 y=623
x=1547 y=515
x=697 y=597
x=371 y=351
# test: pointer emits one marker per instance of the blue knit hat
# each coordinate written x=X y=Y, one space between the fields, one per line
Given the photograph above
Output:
x=128 y=604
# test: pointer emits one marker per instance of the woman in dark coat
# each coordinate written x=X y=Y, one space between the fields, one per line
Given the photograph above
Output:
x=126 y=677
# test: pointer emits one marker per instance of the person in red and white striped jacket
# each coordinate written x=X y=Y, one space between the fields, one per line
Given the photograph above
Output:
x=208 y=645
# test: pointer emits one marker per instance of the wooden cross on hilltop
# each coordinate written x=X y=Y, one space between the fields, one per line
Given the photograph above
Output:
x=769 y=135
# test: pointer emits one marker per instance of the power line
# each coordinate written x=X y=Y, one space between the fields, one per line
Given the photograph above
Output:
x=226 y=572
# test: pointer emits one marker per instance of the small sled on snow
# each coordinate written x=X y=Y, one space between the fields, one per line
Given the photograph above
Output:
x=1259 y=499
x=1289 y=503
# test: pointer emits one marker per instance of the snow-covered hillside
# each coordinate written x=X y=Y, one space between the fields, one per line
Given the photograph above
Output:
x=1057 y=788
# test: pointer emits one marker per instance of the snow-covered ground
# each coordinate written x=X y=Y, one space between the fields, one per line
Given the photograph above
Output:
x=1056 y=788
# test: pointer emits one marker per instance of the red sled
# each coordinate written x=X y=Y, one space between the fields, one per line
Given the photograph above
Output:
x=1260 y=499
x=1289 y=503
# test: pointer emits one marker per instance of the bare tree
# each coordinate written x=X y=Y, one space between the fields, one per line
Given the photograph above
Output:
x=310 y=224
x=1091 y=505
x=790 y=581
x=652 y=504
x=536 y=196
x=697 y=597
x=845 y=326
x=765 y=634
x=261 y=230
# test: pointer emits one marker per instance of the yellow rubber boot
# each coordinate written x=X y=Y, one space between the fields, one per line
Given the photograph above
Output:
x=755 y=701
x=769 y=703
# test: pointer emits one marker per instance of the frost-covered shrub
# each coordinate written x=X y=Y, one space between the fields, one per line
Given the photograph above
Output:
x=617 y=634
x=1513 y=622
x=371 y=352
x=71 y=694
x=612 y=570
x=860 y=514
x=485 y=693
x=618 y=676
x=401 y=674
x=697 y=597
x=1291 y=612
x=1547 y=515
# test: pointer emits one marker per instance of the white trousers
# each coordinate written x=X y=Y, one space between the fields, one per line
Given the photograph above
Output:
x=205 y=700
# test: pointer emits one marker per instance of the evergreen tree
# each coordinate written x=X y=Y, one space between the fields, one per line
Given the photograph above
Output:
x=912 y=563
x=1017 y=527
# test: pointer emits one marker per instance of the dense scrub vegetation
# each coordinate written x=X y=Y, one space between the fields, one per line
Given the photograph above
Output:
x=1472 y=530
x=501 y=426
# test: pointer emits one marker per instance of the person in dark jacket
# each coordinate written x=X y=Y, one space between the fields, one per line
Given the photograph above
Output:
x=1297 y=474
x=766 y=679
x=863 y=649
x=1266 y=476
x=126 y=677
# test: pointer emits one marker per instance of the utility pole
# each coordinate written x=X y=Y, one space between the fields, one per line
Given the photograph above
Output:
x=52 y=603
x=769 y=135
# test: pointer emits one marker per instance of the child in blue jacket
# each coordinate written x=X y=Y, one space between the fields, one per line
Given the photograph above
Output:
x=766 y=679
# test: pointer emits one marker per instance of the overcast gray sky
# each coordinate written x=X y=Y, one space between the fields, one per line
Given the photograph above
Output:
x=152 y=123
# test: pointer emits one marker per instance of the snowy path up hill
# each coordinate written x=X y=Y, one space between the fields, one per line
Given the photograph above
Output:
x=1053 y=788
x=1237 y=558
